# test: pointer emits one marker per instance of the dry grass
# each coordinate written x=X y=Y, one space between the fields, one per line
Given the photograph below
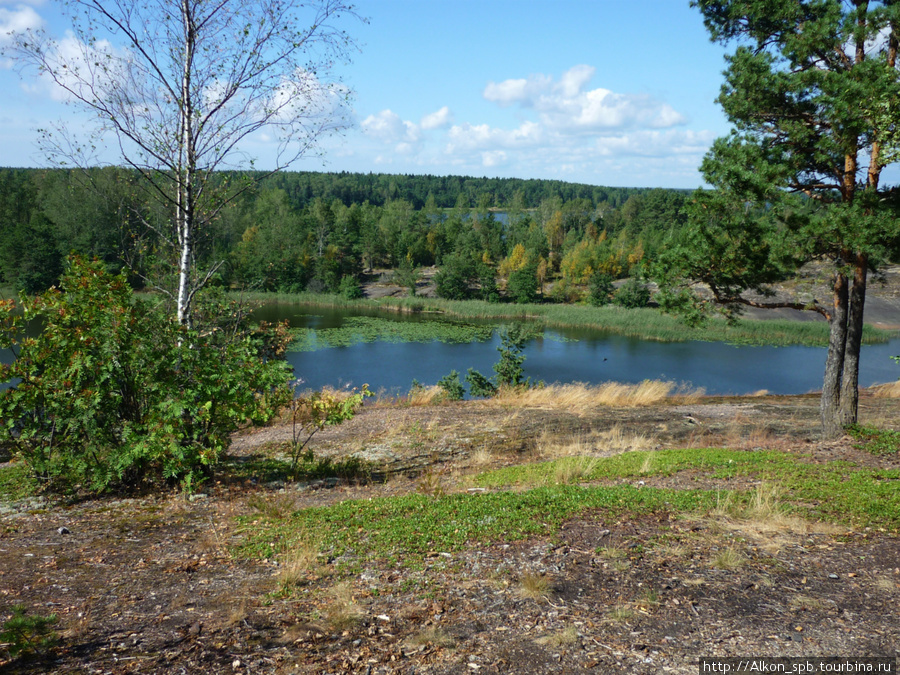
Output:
x=729 y=559
x=561 y=638
x=482 y=457
x=533 y=586
x=342 y=612
x=424 y=396
x=573 y=470
x=612 y=441
x=275 y=506
x=431 y=483
x=804 y=603
x=888 y=390
x=886 y=584
x=670 y=552
x=433 y=635
x=619 y=614
x=612 y=552
x=580 y=398
x=300 y=560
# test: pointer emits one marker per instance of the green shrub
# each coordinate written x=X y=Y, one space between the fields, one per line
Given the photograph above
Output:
x=479 y=385
x=523 y=284
x=600 y=289
x=633 y=294
x=350 y=288
x=114 y=393
x=453 y=388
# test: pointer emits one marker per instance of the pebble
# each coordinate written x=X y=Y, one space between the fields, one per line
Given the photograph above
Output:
x=63 y=530
x=833 y=576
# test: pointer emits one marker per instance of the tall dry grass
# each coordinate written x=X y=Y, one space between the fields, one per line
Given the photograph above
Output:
x=887 y=390
x=579 y=397
x=610 y=441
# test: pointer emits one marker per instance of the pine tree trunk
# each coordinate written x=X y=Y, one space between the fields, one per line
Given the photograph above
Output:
x=850 y=380
x=834 y=365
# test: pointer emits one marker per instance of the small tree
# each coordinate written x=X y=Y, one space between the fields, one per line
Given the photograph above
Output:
x=350 y=288
x=311 y=413
x=508 y=371
x=407 y=275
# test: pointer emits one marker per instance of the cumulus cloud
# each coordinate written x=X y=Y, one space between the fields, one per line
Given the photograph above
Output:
x=563 y=127
x=567 y=105
x=20 y=19
x=389 y=127
x=437 y=119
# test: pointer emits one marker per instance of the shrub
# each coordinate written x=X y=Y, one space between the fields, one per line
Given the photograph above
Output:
x=350 y=288
x=452 y=280
x=523 y=284
x=479 y=385
x=114 y=393
x=633 y=294
x=600 y=289
x=452 y=387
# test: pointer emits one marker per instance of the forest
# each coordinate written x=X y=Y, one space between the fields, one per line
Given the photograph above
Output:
x=490 y=238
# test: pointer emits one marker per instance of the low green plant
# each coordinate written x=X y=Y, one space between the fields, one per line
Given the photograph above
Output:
x=876 y=441
x=479 y=385
x=25 y=633
x=114 y=393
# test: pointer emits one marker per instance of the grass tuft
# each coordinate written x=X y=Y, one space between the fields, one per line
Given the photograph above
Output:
x=534 y=586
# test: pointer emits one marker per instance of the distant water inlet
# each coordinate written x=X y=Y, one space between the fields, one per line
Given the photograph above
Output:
x=386 y=351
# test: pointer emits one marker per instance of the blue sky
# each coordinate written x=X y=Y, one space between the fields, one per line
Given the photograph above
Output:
x=600 y=91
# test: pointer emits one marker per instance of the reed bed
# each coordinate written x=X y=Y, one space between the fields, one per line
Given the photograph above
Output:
x=647 y=323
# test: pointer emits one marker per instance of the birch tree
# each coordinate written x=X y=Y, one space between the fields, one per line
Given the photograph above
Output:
x=184 y=88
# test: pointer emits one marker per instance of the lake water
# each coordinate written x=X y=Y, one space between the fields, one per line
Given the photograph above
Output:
x=571 y=356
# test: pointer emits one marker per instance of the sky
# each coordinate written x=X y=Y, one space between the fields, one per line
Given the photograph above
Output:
x=602 y=92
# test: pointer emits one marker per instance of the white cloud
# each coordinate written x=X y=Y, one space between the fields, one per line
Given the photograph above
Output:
x=567 y=105
x=19 y=19
x=437 y=119
x=562 y=128
x=481 y=136
x=389 y=127
x=493 y=158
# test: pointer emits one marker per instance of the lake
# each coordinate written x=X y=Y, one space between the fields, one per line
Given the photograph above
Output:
x=567 y=356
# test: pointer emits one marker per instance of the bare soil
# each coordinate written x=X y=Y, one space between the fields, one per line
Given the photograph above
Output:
x=152 y=584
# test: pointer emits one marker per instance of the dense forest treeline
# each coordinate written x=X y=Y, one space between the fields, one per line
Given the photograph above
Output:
x=292 y=231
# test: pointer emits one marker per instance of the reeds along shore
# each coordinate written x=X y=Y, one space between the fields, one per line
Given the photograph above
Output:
x=647 y=324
